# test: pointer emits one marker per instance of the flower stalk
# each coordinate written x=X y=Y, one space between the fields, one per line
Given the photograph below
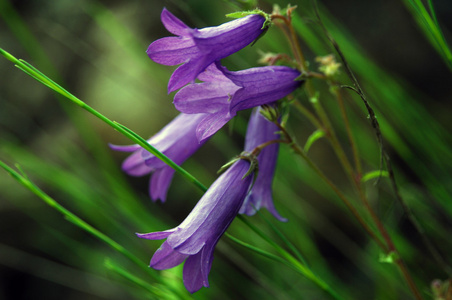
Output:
x=387 y=246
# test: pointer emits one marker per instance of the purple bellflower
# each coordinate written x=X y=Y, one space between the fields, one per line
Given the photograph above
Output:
x=223 y=93
x=177 y=140
x=198 y=48
x=259 y=131
x=195 y=238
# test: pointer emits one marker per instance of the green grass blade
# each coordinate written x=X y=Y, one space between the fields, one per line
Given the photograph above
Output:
x=36 y=74
x=22 y=179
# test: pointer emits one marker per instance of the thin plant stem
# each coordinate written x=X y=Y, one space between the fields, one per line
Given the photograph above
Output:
x=293 y=43
x=307 y=113
x=22 y=178
x=351 y=139
x=298 y=150
x=376 y=126
x=332 y=137
x=38 y=75
x=293 y=262
x=298 y=53
x=391 y=247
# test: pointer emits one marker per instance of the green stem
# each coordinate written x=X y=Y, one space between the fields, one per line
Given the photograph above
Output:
x=332 y=137
x=298 y=150
x=22 y=179
x=351 y=139
x=289 y=260
x=38 y=75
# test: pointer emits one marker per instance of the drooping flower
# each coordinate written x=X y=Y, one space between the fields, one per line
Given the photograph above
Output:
x=195 y=238
x=260 y=131
x=223 y=93
x=198 y=48
x=177 y=140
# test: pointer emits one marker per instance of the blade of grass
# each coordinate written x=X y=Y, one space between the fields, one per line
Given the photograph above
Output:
x=23 y=180
x=36 y=74
x=300 y=267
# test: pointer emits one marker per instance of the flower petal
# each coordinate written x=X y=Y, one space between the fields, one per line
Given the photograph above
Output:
x=206 y=97
x=158 y=235
x=166 y=258
x=187 y=72
x=213 y=73
x=259 y=131
x=228 y=38
x=134 y=165
x=160 y=182
x=171 y=51
x=211 y=124
x=197 y=268
x=214 y=212
x=255 y=200
x=173 y=24
x=126 y=148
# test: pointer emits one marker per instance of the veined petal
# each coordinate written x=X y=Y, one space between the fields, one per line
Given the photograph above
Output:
x=158 y=235
x=195 y=238
x=126 y=148
x=262 y=85
x=257 y=199
x=180 y=132
x=193 y=279
x=171 y=51
x=135 y=166
x=213 y=73
x=160 y=182
x=166 y=258
x=229 y=37
x=211 y=124
x=197 y=268
x=214 y=212
x=177 y=140
x=187 y=72
x=206 y=97
x=197 y=49
x=173 y=24
x=259 y=131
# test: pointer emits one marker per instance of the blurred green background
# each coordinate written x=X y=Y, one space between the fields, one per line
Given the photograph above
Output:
x=96 y=50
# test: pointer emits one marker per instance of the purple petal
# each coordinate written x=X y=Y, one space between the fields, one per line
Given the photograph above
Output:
x=211 y=124
x=166 y=258
x=127 y=148
x=134 y=165
x=174 y=133
x=173 y=24
x=187 y=72
x=197 y=268
x=158 y=235
x=229 y=37
x=214 y=212
x=171 y=51
x=255 y=200
x=262 y=85
x=213 y=73
x=259 y=131
x=206 y=97
x=160 y=182
x=193 y=279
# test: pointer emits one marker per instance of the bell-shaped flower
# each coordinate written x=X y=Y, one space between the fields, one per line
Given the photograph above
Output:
x=260 y=131
x=195 y=238
x=198 y=48
x=223 y=93
x=177 y=140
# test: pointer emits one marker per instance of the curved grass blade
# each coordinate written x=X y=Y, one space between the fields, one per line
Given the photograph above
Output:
x=39 y=76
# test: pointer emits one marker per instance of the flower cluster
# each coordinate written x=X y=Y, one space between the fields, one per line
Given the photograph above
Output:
x=206 y=105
